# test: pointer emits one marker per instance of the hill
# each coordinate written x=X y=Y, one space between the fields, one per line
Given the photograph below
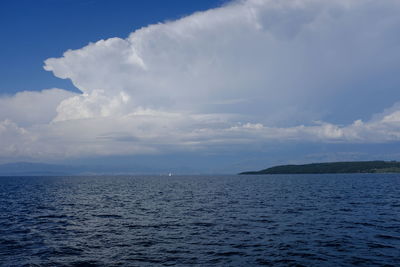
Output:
x=334 y=167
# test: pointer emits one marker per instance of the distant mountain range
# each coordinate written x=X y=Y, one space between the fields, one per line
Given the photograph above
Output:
x=45 y=169
x=33 y=169
x=107 y=167
x=334 y=167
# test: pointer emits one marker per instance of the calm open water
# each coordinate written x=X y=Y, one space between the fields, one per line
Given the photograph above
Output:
x=279 y=220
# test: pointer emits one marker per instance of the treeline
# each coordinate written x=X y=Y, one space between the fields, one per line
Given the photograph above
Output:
x=334 y=167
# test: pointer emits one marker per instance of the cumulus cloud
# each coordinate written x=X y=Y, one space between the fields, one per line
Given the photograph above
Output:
x=10 y=133
x=32 y=107
x=284 y=60
x=250 y=71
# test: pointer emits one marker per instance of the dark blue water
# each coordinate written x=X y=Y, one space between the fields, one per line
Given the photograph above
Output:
x=299 y=220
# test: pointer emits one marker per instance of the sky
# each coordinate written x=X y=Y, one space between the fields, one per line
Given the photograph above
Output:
x=35 y=30
x=199 y=86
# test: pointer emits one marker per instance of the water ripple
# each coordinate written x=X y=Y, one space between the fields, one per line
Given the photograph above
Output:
x=282 y=220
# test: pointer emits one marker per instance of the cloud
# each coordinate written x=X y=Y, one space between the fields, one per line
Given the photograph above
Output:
x=30 y=107
x=249 y=72
x=152 y=132
x=284 y=60
x=10 y=133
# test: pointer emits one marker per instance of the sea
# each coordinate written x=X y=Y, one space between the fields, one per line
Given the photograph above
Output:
x=254 y=220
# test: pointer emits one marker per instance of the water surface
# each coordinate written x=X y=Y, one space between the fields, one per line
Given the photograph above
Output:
x=279 y=220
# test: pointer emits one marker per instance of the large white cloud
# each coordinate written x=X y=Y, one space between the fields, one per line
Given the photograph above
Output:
x=30 y=107
x=278 y=61
x=251 y=71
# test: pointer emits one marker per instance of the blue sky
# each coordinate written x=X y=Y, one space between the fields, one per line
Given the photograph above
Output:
x=200 y=86
x=36 y=30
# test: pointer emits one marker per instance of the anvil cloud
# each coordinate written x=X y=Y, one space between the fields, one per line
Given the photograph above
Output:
x=251 y=71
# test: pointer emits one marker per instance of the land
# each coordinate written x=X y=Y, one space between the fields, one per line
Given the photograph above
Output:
x=334 y=167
